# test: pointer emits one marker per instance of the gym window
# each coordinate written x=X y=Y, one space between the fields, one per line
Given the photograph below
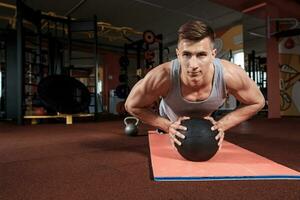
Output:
x=238 y=58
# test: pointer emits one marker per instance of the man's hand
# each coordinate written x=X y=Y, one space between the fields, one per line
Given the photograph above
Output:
x=217 y=126
x=173 y=131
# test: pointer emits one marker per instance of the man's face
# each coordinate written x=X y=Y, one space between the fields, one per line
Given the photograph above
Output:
x=195 y=58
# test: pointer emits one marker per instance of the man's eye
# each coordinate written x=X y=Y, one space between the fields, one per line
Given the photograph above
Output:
x=201 y=54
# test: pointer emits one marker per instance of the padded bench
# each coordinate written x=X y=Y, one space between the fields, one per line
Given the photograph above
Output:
x=68 y=117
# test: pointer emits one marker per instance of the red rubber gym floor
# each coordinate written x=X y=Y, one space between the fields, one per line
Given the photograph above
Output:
x=97 y=161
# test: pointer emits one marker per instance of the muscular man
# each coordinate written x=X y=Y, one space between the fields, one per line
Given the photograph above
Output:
x=194 y=85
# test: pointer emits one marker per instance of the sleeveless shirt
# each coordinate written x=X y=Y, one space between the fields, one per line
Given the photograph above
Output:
x=174 y=105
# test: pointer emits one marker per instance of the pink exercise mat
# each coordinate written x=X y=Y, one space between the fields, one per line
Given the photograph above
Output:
x=230 y=163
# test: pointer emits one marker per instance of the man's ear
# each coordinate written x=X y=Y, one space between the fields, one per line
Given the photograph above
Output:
x=177 y=52
x=214 y=52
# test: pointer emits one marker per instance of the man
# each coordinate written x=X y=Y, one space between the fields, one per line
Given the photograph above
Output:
x=194 y=85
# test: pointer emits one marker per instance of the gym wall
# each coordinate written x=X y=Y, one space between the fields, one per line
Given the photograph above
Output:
x=289 y=49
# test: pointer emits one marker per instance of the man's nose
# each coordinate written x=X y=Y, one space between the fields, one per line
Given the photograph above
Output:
x=193 y=62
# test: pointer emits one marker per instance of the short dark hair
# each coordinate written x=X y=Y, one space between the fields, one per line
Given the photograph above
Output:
x=195 y=31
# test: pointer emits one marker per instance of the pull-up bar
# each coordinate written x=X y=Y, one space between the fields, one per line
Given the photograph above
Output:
x=291 y=30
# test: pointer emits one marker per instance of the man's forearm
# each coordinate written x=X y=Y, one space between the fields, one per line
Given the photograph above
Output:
x=239 y=115
x=149 y=117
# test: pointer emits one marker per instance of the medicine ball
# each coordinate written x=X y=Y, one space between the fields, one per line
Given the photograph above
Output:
x=199 y=143
x=64 y=94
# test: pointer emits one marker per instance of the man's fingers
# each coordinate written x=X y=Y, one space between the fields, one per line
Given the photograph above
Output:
x=208 y=118
x=220 y=146
x=173 y=130
x=180 y=127
x=212 y=120
x=177 y=141
x=177 y=126
x=178 y=134
x=220 y=137
x=221 y=141
x=220 y=134
x=184 y=118
x=213 y=128
x=172 y=142
x=174 y=139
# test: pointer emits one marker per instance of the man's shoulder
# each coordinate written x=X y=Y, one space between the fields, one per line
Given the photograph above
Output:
x=226 y=63
x=162 y=69
x=230 y=70
x=157 y=81
x=229 y=67
x=234 y=75
x=166 y=66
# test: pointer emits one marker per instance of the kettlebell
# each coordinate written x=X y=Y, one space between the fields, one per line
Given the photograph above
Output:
x=131 y=128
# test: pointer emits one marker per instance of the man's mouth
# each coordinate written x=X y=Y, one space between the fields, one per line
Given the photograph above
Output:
x=193 y=74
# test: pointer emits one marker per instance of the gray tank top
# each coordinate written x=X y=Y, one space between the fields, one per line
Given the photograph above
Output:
x=174 y=105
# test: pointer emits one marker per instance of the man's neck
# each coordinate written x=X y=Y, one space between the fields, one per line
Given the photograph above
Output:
x=199 y=84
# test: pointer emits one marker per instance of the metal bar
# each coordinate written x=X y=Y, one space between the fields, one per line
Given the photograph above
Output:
x=255 y=7
x=20 y=63
x=75 y=8
x=253 y=65
x=160 y=50
x=6 y=5
x=287 y=33
x=96 y=64
x=82 y=58
x=69 y=43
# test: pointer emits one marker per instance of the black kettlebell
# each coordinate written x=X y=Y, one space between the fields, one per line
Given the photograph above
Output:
x=131 y=128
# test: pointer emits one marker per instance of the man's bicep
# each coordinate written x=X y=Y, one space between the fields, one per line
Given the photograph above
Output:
x=149 y=89
x=247 y=95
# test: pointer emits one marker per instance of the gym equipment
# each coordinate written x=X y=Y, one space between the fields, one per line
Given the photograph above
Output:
x=131 y=129
x=142 y=58
x=39 y=111
x=149 y=37
x=50 y=50
x=85 y=31
x=199 y=143
x=64 y=94
x=122 y=91
x=124 y=61
x=123 y=78
x=256 y=68
x=149 y=55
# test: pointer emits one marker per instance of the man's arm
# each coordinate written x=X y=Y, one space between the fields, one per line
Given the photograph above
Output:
x=148 y=90
x=245 y=91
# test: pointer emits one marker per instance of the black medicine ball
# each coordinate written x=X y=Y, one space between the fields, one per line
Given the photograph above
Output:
x=199 y=143
x=64 y=94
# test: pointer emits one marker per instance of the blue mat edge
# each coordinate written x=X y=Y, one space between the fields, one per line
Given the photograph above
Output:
x=222 y=178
